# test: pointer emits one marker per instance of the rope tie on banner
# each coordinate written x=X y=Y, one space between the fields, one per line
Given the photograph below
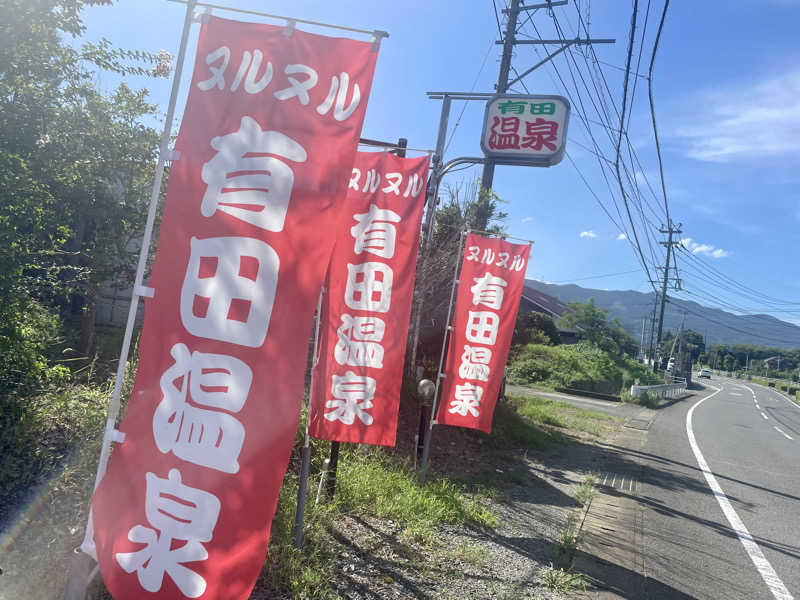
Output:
x=392 y=147
x=291 y=24
x=144 y=291
x=202 y=16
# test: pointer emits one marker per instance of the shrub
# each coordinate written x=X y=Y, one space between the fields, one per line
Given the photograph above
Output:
x=26 y=334
x=581 y=366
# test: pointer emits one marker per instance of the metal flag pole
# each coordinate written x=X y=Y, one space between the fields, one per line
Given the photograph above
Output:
x=426 y=448
x=378 y=34
x=333 y=462
x=305 y=460
x=79 y=574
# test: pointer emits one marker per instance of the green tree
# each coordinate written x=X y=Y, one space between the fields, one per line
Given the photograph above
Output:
x=49 y=123
x=534 y=327
x=109 y=194
x=728 y=362
x=591 y=321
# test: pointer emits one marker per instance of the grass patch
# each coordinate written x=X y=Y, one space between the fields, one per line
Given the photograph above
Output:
x=511 y=428
x=471 y=554
x=567 y=541
x=645 y=399
x=560 y=580
x=586 y=490
x=369 y=483
x=39 y=432
x=544 y=411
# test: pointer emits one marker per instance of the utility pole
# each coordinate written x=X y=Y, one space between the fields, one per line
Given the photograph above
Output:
x=510 y=37
x=641 y=342
x=670 y=231
x=509 y=41
x=653 y=331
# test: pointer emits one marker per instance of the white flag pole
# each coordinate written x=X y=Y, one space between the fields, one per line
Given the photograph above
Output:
x=426 y=446
x=111 y=434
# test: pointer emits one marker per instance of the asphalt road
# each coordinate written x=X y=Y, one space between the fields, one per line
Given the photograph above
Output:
x=720 y=507
x=722 y=511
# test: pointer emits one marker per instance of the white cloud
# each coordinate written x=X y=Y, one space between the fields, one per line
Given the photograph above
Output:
x=622 y=236
x=527 y=219
x=588 y=234
x=704 y=249
x=742 y=123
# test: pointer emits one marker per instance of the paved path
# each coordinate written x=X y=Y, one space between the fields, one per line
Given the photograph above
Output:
x=618 y=409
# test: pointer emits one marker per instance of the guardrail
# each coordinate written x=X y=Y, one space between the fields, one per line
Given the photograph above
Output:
x=666 y=390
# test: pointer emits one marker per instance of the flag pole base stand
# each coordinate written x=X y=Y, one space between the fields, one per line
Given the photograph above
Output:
x=82 y=571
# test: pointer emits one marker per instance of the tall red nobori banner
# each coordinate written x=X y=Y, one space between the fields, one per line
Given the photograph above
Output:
x=367 y=305
x=267 y=141
x=491 y=281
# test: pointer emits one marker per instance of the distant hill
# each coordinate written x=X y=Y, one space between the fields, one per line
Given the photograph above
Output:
x=719 y=326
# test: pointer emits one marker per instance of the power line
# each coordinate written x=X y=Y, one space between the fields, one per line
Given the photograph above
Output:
x=580 y=110
x=721 y=279
x=652 y=105
x=464 y=107
x=736 y=329
x=598 y=276
x=619 y=140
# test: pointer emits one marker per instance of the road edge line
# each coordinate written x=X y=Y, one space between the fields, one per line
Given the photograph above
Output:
x=761 y=563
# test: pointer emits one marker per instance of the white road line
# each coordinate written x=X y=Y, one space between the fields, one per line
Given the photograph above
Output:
x=605 y=478
x=630 y=485
x=789 y=400
x=734 y=394
x=615 y=478
x=763 y=415
x=761 y=563
x=758 y=406
x=783 y=433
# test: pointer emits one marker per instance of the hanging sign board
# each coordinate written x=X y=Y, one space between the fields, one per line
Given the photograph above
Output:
x=367 y=306
x=268 y=138
x=525 y=129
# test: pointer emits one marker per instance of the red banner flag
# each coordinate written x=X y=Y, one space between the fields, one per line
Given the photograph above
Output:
x=367 y=305
x=268 y=138
x=491 y=281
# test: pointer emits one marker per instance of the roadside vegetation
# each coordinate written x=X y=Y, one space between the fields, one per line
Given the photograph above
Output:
x=583 y=366
x=374 y=483
x=601 y=362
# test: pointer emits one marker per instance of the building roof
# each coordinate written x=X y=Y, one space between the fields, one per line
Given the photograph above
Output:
x=544 y=302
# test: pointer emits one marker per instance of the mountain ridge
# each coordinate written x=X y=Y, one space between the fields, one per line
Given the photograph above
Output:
x=717 y=325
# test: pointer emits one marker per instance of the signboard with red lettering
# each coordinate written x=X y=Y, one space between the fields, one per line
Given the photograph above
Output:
x=267 y=142
x=491 y=281
x=525 y=129
x=367 y=305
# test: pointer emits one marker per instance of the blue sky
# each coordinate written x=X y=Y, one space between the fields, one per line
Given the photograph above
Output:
x=727 y=95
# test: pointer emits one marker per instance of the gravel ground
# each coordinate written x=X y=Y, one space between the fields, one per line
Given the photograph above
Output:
x=532 y=492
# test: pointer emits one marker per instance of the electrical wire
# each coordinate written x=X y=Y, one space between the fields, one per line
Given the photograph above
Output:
x=652 y=107
x=464 y=107
x=597 y=276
